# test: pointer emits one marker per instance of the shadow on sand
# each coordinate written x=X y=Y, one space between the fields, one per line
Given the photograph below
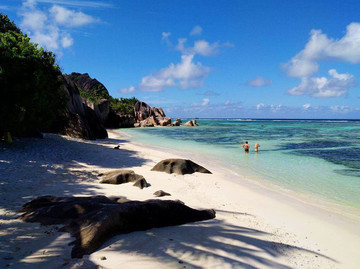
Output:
x=54 y=166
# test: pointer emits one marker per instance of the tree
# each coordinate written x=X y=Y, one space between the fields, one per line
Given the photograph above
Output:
x=32 y=96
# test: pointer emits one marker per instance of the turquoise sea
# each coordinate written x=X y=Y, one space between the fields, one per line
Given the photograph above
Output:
x=317 y=158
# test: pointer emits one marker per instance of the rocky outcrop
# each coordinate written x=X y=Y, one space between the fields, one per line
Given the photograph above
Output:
x=142 y=111
x=119 y=177
x=146 y=116
x=82 y=117
x=93 y=220
x=191 y=123
x=90 y=85
x=179 y=166
x=177 y=122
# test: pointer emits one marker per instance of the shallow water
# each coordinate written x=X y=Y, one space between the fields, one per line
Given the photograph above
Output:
x=316 y=157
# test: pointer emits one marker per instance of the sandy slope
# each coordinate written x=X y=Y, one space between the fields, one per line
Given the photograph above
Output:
x=254 y=227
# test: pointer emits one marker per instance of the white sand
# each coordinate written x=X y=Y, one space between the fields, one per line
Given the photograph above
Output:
x=254 y=227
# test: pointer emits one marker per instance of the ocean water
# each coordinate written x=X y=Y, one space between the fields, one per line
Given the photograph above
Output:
x=320 y=158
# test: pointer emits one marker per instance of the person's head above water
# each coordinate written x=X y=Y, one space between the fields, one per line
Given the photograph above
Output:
x=246 y=142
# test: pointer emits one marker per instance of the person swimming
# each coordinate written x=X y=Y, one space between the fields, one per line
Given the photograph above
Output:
x=256 y=147
x=246 y=147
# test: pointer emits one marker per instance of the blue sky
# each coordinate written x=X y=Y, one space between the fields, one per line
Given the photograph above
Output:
x=238 y=59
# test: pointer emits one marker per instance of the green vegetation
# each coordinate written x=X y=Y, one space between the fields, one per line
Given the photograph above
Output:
x=32 y=96
x=123 y=105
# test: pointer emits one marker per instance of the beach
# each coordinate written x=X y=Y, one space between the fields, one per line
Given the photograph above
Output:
x=255 y=227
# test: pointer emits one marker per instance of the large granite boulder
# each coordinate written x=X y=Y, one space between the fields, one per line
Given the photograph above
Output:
x=191 y=123
x=179 y=166
x=164 y=121
x=119 y=176
x=82 y=117
x=149 y=122
x=104 y=109
x=142 y=111
x=157 y=112
x=94 y=220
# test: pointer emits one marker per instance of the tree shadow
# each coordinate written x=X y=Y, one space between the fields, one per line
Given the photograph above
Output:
x=231 y=246
x=55 y=166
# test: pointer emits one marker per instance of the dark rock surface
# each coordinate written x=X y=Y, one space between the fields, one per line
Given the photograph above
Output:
x=179 y=166
x=83 y=119
x=119 y=177
x=118 y=120
x=142 y=111
x=141 y=183
x=93 y=220
x=161 y=193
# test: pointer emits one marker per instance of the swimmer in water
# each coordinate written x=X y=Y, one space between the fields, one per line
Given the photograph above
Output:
x=246 y=147
x=256 y=147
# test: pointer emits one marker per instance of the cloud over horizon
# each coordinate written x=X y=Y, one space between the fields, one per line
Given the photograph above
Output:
x=320 y=48
x=185 y=74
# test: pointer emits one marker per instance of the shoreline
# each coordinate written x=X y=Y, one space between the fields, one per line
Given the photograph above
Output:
x=258 y=182
x=252 y=228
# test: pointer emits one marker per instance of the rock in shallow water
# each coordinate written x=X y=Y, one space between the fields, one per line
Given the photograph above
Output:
x=93 y=220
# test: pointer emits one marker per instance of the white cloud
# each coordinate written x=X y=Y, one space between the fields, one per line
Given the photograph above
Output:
x=258 y=82
x=131 y=89
x=69 y=18
x=197 y=30
x=320 y=47
x=201 y=47
x=306 y=106
x=78 y=3
x=47 y=27
x=322 y=87
x=340 y=109
x=205 y=101
x=165 y=35
x=260 y=106
x=185 y=74
x=227 y=102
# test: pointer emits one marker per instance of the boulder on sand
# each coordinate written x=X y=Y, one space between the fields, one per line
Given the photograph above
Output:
x=119 y=176
x=95 y=219
x=141 y=183
x=161 y=193
x=179 y=166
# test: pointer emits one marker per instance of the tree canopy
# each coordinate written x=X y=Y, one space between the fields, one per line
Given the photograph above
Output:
x=32 y=95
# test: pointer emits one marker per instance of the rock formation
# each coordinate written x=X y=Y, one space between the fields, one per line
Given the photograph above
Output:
x=83 y=118
x=93 y=220
x=119 y=176
x=146 y=116
x=177 y=122
x=191 y=123
x=92 y=87
x=179 y=166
